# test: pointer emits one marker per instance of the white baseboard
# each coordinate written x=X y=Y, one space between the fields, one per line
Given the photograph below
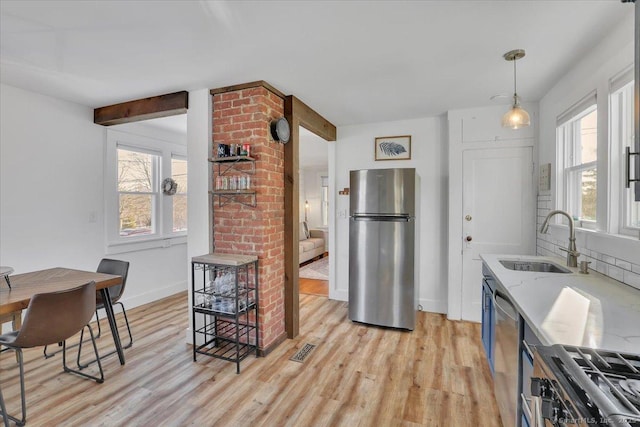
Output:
x=339 y=295
x=154 y=295
x=433 y=305
x=151 y=296
x=430 y=305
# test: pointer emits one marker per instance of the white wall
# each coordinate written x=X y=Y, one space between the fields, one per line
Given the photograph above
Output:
x=52 y=196
x=615 y=256
x=354 y=149
x=198 y=151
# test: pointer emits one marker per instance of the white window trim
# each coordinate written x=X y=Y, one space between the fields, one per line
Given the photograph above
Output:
x=582 y=108
x=169 y=212
x=619 y=200
x=164 y=236
x=611 y=187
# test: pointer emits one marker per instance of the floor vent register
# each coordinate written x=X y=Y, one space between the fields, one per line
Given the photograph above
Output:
x=303 y=353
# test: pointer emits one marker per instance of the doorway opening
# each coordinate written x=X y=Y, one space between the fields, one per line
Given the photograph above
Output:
x=313 y=193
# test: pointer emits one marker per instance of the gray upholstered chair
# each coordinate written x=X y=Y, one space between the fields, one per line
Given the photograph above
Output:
x=118 y=268
x=52 y=318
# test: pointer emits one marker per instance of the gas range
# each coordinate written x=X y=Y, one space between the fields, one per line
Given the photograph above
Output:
x=578 y=386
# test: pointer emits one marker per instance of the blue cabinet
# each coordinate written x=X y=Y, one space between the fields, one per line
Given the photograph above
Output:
x=488 y=316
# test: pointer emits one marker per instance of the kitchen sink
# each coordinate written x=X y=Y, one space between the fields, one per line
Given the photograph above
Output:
x=534 y=266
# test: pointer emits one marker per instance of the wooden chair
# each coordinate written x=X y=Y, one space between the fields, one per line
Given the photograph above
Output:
x=52 y=318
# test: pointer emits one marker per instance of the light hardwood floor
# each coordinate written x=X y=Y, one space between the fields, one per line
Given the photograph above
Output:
x=314 y=287
x=356 y=376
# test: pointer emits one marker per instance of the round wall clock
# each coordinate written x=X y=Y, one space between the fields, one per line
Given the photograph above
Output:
x=280 y=130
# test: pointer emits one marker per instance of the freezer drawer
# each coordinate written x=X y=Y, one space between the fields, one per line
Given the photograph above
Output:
x=381 y=272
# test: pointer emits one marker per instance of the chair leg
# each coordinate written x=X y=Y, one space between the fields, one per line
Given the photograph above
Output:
x=48 y=355
x=3 y=408
x=126 y=321
x=23 y=400
x=128 y=345
x=95 y=349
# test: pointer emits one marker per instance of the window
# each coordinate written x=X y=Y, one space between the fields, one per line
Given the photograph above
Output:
x=179 y=175
x=138 y=213
x=137 y=192
x=577 y=136
x=325 y=200
x=621 y=137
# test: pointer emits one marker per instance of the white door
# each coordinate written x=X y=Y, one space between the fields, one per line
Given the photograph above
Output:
x=498 y=203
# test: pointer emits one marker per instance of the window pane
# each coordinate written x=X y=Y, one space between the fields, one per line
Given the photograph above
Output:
x=634 y=215
x=179 y=174
x=588 y=199
x=588 y=138
x=325 y=205
x=179 y=212
x=136 y=213
x=135 y=171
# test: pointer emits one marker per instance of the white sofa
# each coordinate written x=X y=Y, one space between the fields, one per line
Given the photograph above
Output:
x=311 y=243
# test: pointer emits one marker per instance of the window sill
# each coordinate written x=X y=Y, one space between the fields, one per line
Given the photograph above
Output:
x=615 y=245
x=144 y=244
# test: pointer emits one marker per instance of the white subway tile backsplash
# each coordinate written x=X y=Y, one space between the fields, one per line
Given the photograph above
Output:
x=602 y=267
x=584 y=251
x=623 y=264
x=632 y=279
x=635 y=268
x=616 y=273
x=609 y=259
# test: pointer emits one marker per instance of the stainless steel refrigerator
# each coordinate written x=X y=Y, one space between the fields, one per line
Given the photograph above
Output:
x=382 y=229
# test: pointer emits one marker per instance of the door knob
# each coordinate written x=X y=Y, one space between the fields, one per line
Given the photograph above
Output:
x=468 y=217
x=469 y=238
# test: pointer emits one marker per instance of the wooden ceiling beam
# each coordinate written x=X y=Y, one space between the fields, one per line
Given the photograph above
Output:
x=170 y=104
x=311 y=120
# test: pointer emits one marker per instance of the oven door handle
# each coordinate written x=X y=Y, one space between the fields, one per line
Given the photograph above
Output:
x=497 y=295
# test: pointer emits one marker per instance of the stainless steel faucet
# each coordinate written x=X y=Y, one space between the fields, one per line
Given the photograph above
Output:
x=572 y=252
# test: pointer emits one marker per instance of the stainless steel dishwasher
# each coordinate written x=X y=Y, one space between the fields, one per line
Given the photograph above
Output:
x=505 y=379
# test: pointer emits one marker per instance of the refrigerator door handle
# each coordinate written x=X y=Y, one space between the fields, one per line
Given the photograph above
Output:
x=383 y=218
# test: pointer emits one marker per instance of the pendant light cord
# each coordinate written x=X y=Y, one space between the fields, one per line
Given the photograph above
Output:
x=515 y=86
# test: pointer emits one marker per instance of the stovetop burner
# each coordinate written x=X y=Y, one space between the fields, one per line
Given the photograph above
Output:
x=616 y=378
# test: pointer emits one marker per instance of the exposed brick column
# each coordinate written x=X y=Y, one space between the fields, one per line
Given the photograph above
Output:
x=243 y=116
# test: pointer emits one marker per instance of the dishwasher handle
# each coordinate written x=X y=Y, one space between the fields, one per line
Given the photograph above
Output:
x=503 y=297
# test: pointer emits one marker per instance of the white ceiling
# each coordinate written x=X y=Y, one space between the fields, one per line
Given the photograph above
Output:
x=352 y=61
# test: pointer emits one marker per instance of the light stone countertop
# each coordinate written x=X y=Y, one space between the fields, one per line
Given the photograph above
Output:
x=586 y=310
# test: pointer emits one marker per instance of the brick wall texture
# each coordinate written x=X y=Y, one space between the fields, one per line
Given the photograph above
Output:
x=242 y=117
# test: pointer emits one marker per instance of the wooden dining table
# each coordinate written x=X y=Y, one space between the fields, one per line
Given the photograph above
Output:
x=25 y=286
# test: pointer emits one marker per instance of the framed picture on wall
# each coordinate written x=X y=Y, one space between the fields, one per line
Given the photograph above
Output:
x=393 y=147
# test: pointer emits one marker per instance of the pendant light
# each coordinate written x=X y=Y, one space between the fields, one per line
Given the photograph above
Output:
x=517 y=116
